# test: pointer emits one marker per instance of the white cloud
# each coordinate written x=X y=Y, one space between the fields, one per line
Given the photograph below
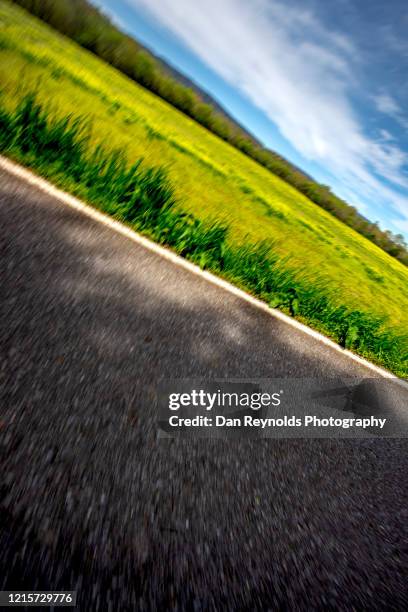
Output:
x=401 y=224
x=301 y=75
x=387 y=105
x=386 y=136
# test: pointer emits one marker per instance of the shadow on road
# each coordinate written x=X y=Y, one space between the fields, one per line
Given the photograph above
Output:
x=91 y=498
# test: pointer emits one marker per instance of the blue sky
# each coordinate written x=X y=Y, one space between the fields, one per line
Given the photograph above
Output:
x=322 y=83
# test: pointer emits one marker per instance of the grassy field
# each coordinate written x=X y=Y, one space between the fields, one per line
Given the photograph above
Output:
x=210 y=179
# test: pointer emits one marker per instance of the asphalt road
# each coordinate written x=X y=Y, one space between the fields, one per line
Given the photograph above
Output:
x=92 y=499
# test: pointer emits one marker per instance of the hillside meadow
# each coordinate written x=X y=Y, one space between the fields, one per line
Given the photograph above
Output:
x=210 y=178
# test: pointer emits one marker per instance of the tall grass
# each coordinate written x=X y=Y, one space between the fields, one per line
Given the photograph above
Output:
x=144 y=198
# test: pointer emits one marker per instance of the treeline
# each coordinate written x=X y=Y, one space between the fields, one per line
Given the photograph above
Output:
x=90 y=28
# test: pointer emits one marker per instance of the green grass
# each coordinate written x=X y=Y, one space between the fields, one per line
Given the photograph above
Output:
x=143 y=197
x=211 y=203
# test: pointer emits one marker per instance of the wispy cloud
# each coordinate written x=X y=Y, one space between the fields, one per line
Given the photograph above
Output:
x=386 y=136
x=302 y=75
x=386 y=104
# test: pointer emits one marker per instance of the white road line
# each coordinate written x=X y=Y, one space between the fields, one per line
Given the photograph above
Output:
x=86 y=209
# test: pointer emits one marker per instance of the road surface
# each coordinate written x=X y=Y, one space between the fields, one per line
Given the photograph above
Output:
x=93 y=500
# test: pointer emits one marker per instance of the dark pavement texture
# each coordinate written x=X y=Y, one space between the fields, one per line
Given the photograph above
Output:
x=93 y=500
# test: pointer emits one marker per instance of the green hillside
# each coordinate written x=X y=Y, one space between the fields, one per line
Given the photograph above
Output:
x=211 y=179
